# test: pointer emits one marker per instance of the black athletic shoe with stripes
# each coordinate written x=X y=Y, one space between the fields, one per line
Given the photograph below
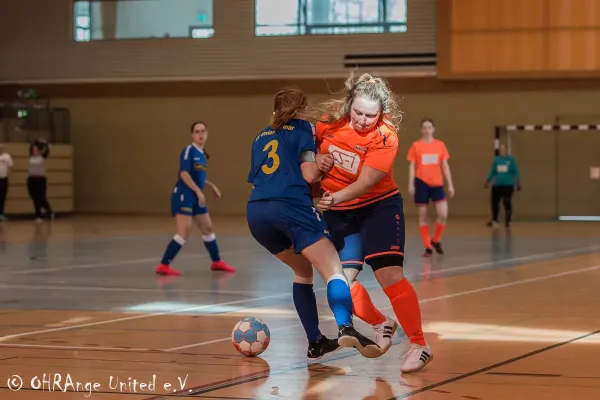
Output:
x=438 y=247
x=349 y=337
x=316 y=350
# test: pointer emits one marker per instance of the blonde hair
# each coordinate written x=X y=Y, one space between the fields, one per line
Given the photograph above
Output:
x=367 y=86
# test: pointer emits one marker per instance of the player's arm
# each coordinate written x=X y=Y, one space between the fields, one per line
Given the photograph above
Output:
x=309 y=168
x=185 y=166
x=214 y=188
x=368 y=178
x=446 y=171
x=492 y=174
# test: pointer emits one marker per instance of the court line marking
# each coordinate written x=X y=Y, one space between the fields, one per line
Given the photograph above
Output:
x=86 y=348
x=428 y=300
x=137 y=317
x=493 y=366
x=110 y=289
x=122 y=262
x=531 y=257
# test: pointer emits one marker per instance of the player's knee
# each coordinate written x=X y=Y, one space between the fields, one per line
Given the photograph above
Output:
x=303 y=280
x=442 y=219
x=351 y=275
x=386 y=260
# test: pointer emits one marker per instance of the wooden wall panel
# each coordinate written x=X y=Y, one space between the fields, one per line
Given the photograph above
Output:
x=574 y=13
x=525 y=39
x=575 y=50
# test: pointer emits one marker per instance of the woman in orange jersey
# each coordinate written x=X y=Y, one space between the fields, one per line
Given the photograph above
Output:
x=363 y=208
x=428 y=159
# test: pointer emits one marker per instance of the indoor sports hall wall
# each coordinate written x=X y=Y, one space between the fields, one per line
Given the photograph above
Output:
x=40 y=46
x=127 y=148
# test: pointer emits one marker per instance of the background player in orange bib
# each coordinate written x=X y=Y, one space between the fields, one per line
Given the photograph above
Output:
x=428 y=159
x=363 y=208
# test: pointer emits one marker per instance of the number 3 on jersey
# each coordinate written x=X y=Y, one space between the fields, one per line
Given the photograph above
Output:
x=271 y=147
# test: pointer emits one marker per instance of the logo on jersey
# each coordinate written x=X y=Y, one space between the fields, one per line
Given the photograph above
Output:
x=429 y=159
x=199 y=167
x=344 y=159
x=360 y=148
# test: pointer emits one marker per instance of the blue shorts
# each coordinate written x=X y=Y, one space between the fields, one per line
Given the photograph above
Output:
x=424 y=193
x=186 y=204
x=373 y=233
x=279 y=225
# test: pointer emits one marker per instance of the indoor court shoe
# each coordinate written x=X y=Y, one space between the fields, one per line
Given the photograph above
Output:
x=221 y=266
x=438 y=247
x=428 y=253
x=163 y=269
x=316 y=350
x=416 y=358
x=349 y=337
x=493 y=224
x=384 y=333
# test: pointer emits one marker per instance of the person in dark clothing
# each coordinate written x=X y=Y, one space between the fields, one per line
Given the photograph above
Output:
x=6 y=164
x=505 y=176
x=37 y=183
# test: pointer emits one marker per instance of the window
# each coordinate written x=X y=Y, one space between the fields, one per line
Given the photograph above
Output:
x=142 y=19
x=329 y=17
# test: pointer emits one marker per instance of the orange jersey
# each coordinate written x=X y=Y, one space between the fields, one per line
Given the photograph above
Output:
x=428 y=159
x=351 y=151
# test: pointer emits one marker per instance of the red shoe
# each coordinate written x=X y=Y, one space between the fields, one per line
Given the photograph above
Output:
x=221 y=266
x=163 y=269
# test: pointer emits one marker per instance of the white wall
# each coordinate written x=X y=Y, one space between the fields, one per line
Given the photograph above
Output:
x=36 y=43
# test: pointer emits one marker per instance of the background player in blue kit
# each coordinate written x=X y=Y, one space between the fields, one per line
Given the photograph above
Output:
x=281 y=217
x=188 y=203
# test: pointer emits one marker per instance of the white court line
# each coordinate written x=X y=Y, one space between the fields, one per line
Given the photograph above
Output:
x=510 y=260
x=137 y=317
x=142 y=290
x=51 y=347
x=122 y=262
x=429 y=300
x=183 y=310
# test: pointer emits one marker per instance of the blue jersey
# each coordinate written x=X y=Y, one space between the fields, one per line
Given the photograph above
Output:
x=275 y=169
x=192 y=160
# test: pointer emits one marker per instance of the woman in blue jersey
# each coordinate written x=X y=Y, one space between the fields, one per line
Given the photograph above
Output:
x=281 y=217
x=505 y=175
x=188 y=203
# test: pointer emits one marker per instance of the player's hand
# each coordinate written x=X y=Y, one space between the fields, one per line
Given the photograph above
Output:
x=518 y=188
x=324 y=162
x=487 y=185
x=451 y=192
x=216 y=192
x=201 y=198
x=326 y=202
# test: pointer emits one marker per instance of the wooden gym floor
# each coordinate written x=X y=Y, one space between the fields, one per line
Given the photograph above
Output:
x=509 y=315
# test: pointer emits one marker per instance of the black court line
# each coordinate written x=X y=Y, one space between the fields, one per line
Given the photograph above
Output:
x=494 y=366
x=525 y=374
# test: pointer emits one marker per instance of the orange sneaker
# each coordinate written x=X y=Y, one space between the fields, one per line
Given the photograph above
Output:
x=163 y=269
x=221 y=266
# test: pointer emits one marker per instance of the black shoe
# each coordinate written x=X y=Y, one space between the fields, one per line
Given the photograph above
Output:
x=318 y=349
x=350 y=337
x=428 y=253
x=438 y=247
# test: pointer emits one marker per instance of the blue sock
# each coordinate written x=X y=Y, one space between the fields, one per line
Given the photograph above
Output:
x=172 y=249
x=340 y=299
x=306 y=307
x=211 y=245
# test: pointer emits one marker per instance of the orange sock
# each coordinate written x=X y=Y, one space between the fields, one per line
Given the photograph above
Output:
x=425 y=235
x=363 y=307
x=406 y=307
x=437 y=233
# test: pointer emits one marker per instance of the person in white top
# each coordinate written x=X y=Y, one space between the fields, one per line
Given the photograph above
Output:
x=6 y=164
x=37 y=183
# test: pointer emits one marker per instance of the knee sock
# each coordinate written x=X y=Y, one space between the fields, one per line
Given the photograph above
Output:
x=172 y=249
x=439 y=230
x=340 y=299
x=425 y=236
x=364 y=307
x=210 y=242
x=306 y=307
x=406 y=307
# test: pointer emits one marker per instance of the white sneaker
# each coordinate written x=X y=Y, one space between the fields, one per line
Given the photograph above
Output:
x=416 y=358
x=384 y=333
